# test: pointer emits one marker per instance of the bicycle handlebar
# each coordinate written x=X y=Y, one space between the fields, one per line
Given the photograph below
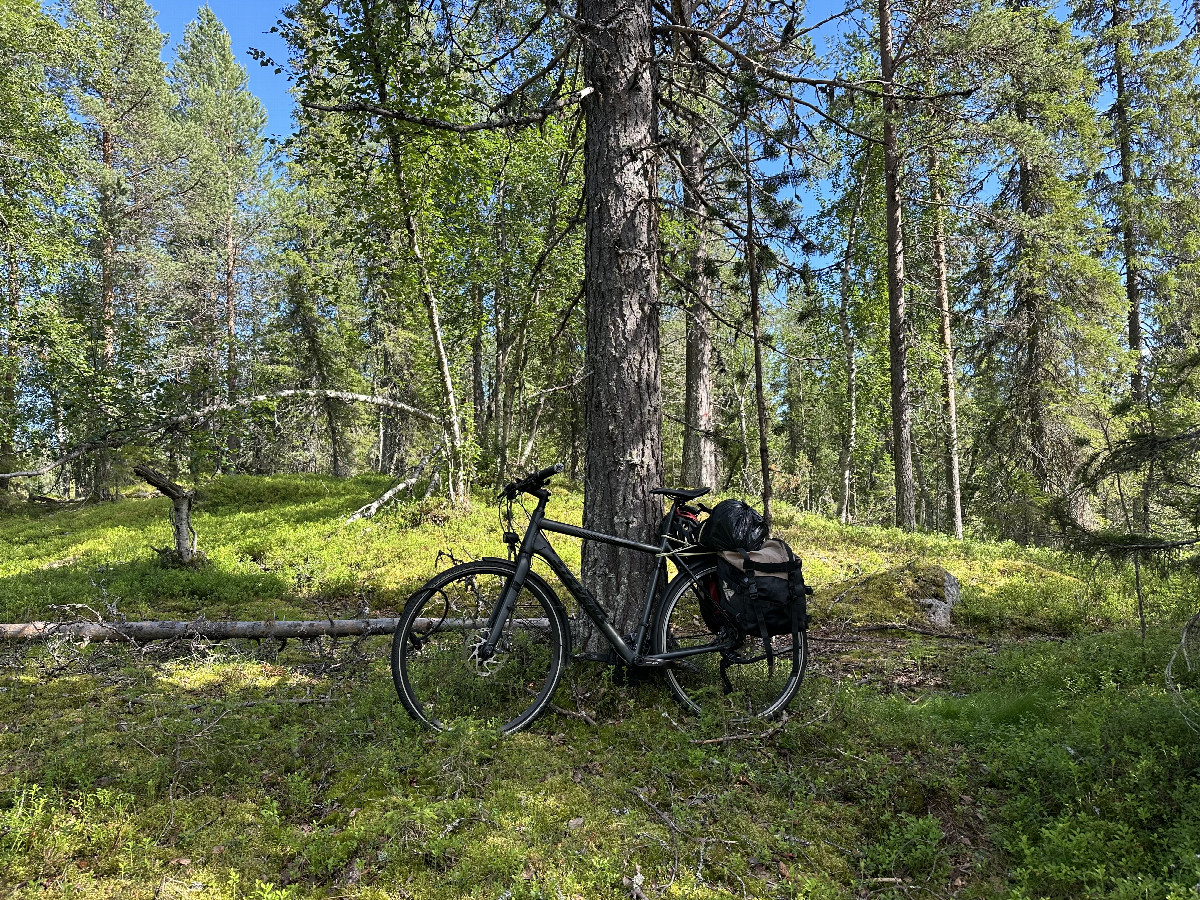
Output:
x=530 y=482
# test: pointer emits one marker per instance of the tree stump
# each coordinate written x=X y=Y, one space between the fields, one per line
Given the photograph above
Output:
x=184 y=553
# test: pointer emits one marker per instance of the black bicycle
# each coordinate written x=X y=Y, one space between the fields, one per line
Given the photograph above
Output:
x=489 y=640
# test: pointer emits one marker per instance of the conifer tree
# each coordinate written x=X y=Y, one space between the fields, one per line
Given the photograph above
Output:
x=216 y=218
x=1149 y=188
x=129 y=176
x=38 y=142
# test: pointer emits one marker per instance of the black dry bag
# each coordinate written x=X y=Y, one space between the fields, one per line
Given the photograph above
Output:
x=733 y=525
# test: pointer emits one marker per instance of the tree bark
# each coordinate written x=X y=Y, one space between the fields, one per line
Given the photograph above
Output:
x=1125 y=208
x=906 y=507
x=699 y=444
x=949 y=405
x=181 y=511
x=623 y=397
x=760 y=399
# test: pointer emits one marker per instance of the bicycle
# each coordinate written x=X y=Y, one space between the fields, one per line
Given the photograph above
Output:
x=489 y=640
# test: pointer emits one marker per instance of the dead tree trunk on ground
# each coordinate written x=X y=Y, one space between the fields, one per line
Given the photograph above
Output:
x=139 y=632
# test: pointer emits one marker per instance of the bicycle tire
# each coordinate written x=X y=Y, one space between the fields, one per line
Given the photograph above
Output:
x=443 y=685
x=759 y=689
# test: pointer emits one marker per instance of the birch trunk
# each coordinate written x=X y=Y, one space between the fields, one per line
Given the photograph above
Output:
x=451 y=423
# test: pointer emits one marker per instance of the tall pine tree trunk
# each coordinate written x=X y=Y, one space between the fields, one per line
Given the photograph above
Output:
x=623 y=397
x=699 y=443
x=760 y=400
x=849 y=349
x=949 y=405
x=1125 y=207
x=699 y=446
x=906 y=508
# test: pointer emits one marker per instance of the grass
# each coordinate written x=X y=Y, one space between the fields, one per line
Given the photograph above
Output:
x=1047 y=762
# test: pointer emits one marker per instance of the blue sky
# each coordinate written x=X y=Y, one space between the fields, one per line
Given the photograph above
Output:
x=248 y=23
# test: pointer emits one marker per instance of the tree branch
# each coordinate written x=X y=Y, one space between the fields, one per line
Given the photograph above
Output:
x=536 y=118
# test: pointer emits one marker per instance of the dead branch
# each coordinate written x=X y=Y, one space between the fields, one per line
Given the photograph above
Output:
x=181 y=512
x=370 y=509
x=537 y=118
x=118 y=437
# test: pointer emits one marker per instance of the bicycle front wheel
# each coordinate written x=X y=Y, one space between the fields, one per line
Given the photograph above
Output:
x=752 y=685
x=436 y=664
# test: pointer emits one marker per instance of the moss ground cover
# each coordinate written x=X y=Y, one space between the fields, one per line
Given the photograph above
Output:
x=1045 y=760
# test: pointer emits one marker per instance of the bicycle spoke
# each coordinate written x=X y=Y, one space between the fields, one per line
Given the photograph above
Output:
x=442 y=672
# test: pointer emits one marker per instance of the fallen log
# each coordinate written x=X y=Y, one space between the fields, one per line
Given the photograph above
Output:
x=140 y=632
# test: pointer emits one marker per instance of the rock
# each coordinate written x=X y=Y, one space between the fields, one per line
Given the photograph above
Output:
x=914 y=594
x=937 y=608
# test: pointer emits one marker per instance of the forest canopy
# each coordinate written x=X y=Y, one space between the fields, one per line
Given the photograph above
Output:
x=928 y=264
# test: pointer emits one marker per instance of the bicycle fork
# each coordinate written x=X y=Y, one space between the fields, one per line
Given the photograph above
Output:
x=535 y=544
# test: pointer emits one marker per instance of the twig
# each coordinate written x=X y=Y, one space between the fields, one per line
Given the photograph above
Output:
x=763 y=735
x=897 y=626
x=581 y=714
x=670 y=823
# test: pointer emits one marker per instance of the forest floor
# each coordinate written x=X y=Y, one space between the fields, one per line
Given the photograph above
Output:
x=1036 y=753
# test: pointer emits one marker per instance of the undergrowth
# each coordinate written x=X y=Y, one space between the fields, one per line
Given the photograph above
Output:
x=1044 y=760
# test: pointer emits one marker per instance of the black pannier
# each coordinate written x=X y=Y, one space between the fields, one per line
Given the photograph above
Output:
x=762 y=592
x=733 y=525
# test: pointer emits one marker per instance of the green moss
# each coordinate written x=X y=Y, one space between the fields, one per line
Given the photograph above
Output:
x=884 y=597
x=1031 y=768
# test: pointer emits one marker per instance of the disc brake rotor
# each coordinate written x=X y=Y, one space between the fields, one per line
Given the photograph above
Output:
x=491 y=665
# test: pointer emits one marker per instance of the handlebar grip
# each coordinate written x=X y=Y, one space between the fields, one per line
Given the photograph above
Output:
x=547 y=472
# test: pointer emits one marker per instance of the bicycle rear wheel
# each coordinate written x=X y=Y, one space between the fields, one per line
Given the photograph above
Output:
x=436 y=668
x=752 y=687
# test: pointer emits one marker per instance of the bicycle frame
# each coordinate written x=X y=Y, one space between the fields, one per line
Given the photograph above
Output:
x=535 y=544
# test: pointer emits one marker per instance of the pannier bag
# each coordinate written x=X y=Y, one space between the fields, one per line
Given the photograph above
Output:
x=733 y=525
x=762 y=592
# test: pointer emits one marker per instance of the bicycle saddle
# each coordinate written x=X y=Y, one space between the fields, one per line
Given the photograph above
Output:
x=681 y=494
